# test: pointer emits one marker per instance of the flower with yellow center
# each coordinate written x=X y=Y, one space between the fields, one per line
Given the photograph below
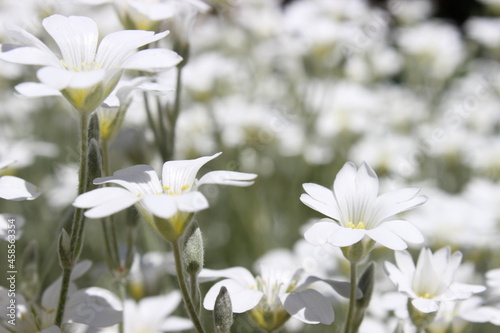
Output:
x=167 y=205
x=431 y=281
x=356 y=210
x=83 y=71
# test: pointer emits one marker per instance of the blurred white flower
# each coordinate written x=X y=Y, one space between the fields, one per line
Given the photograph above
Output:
x=84 y=73
x=432 y=281
x=271 y=295
x=356 y=210
x=152 y=314
x=437 y=45
x=15 y=188
x=95 y=307
x=484 y=31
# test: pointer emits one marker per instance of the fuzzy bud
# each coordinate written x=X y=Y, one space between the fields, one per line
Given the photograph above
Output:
x=193 y=249
x=65 y=254
x=223 y=312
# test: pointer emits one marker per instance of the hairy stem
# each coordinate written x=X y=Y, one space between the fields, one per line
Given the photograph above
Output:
x=352 y=299
x=78 y=219
x=193 y=314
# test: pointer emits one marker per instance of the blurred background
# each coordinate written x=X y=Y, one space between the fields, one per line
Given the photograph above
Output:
x=291 y=91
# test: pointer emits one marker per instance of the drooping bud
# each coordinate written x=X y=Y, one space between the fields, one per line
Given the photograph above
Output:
x=223 y=312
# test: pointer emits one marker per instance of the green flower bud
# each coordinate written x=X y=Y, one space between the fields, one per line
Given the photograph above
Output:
x=193 y=249
x=223 y=312
x=65 y=254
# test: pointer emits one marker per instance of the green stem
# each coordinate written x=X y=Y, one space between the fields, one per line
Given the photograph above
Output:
x=78 y=219
x=152 y=125
x=121 y=281
x=193 y=314
x=107 y=223
x=352 y=299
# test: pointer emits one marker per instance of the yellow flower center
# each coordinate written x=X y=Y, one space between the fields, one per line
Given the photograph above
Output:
x=170 y=192
x=360 y=225
x=82 y=67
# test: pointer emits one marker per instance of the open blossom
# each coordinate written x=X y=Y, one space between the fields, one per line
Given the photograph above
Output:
x=356 y=210
x=84 y=71
x=152 y=314
x=271 y=297
x=431 y=281
x=175 y=198
x=95 y=307
x=15 y=188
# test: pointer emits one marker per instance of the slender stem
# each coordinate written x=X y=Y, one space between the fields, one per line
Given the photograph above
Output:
x=352 y=299
x=121 y=286
x=78 y=219
x=193 y=314
x=107 y=223
x=152 y=125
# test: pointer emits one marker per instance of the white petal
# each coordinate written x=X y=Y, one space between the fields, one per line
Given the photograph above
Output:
x=387 y=238
x=309 y=306
x=76 y=37
x=112 y=206
x=138 y=179
x=24 y=38
x=14 y=188
x=94 y=307
x=239 y=274
x=399 y=279
x=346 y=236
x=405 y=264
x=27 y=55
x=161 y=306
x=190 y=202
x=152 y=60
x=177 y=174
x=242 y=298
x=55 y=77
x=319 y=233
x=116 y=47
x=328 y=210
x=99 y=196
x=398 y=201
x=162 y=205
x=34 y=89
x=345 y=180
x=425 y=305
x=403 y=229
x=174 y=324
x=231 y=178
x=367 y=180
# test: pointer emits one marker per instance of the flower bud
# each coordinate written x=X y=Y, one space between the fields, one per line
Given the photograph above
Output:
x=193 y=249
x=65 y=254
x=223 y=312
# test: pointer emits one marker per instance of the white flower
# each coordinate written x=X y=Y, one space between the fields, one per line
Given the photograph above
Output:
x=432 y=280
x=358 y=211
x=152 y=314
x=271 y=295
x=174 y=198
x=92 y=306
x=84 y=73
x=14 y=188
